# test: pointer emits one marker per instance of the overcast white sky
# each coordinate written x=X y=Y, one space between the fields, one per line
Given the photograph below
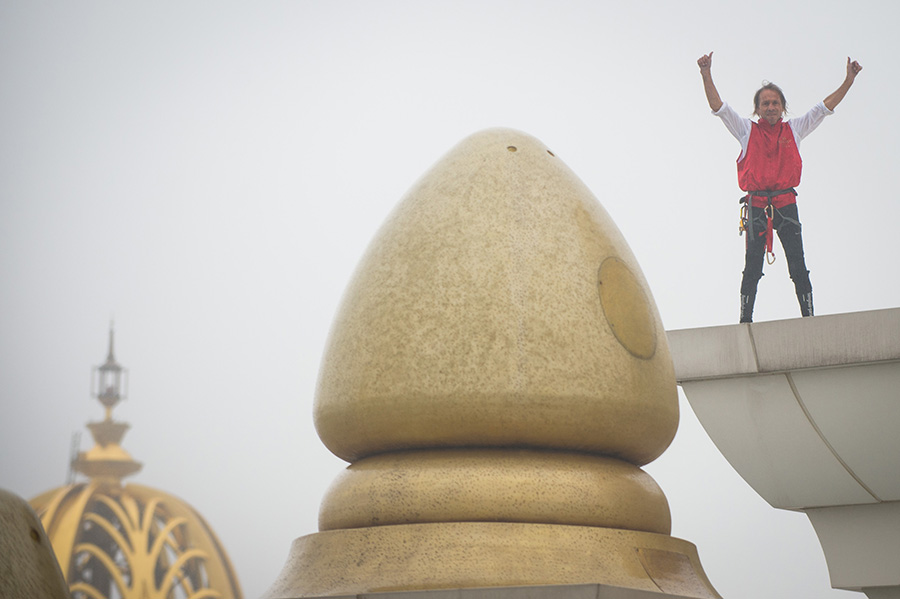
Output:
x=209 y=173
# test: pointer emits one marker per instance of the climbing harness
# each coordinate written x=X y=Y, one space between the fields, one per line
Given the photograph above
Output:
x=770 y=216
x=747 y=217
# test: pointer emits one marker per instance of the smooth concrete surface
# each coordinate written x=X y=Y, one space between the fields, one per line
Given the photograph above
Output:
x=766 y=435
x=863 y=543
x=808 y=412
x=882 y=592
x=574 y=591
x=786 y=345
x=857 y=409
x=28 y=567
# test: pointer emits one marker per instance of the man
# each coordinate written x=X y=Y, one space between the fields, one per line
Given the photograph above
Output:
x=769 y=167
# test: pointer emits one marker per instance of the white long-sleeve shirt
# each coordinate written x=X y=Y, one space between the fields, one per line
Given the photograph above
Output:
x=801 y=127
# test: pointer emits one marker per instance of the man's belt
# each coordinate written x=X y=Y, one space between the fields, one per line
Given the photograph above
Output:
x=770 y=194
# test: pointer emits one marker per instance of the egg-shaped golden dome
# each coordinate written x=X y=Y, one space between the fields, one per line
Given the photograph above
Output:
x=498 y=306
x=126 y=540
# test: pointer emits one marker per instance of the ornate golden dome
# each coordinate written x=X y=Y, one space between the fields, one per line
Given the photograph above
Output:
x=129 y=541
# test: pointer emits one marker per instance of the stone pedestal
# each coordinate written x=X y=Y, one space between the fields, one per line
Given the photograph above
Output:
x=462 y=555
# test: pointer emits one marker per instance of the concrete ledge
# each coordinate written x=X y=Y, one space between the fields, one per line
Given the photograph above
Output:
x=807 y=412
x=785 y=345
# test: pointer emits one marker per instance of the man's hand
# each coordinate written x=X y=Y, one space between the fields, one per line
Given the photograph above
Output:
x=712 y=95
x=853 y=69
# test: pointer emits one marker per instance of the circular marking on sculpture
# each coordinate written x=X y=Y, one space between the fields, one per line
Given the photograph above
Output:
x=511 y=148
x=35 y=535
x=626 y=308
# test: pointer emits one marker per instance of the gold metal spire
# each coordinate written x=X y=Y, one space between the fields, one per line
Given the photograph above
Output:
x=109 y=378
x=107 y=459
x=129 y=541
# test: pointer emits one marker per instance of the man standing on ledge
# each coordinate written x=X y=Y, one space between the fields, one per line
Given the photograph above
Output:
x=769 y=168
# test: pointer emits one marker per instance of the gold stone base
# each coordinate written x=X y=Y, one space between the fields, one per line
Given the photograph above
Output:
x=458 y=555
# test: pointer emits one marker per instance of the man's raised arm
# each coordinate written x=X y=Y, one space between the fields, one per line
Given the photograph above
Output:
x=853 y=69
x=712 y=94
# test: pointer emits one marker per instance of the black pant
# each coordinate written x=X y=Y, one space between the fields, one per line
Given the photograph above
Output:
x=787 y=223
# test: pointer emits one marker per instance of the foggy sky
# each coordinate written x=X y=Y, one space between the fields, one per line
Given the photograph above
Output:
x=208 y=174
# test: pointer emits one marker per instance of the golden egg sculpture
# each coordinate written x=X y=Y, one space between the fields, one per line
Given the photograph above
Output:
x=497 y=373
x=498 y=306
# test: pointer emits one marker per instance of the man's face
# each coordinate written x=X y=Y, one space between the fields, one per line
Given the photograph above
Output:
x=770 y=107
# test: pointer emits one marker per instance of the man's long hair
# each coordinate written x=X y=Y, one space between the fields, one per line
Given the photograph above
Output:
x=774 y=88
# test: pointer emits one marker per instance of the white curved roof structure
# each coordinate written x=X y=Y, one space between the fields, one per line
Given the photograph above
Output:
x=808 y=413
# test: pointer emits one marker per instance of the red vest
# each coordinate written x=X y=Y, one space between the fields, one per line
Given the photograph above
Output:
x=772 y=161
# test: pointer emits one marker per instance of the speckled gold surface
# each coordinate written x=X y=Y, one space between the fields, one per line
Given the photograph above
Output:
x=475 y=319
x=487 y=554
x=496 y=374
x=495 y=486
